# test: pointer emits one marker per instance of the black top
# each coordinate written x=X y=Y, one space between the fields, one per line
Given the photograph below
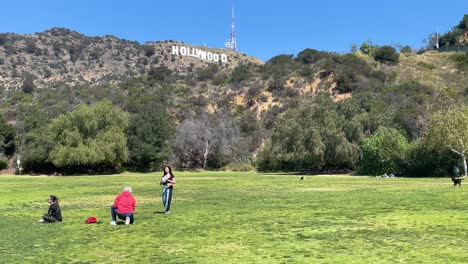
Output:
x=54 y=211
x=164 y=182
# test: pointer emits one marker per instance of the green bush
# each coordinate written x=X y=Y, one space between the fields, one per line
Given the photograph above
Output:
x=207 y=73
x=387 y=54
x=279 y=67
x=384 y=152
x=148 y=50
x=349 y=73
x=161 y=73
x=368 y=48
x=406 y=49
x=424 y=161
x=3 y=163
x=241 y=73
x=309 y=56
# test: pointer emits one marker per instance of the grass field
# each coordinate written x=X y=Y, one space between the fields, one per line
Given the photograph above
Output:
x=225 y=217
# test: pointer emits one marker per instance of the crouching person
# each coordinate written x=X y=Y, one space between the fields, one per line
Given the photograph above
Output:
x=53 y=214
x=124 y=207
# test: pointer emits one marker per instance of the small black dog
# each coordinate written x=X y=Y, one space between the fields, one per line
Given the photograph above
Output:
x=457 y=181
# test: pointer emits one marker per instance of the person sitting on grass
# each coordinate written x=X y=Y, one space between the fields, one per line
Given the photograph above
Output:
x=124 y=207
x=53 y=214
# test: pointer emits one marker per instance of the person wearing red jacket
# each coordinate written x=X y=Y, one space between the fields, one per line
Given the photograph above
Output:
x=124 y=207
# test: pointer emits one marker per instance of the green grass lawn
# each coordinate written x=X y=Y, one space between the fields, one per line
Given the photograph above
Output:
x=225 y=217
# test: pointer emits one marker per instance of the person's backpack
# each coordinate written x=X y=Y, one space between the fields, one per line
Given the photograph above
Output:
x=91 y=220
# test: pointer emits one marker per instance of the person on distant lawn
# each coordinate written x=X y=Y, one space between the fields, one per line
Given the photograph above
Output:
x=53 y=214
x=167 y=181
x=124 y=207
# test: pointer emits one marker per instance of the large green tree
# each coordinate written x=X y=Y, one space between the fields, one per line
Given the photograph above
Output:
x=149 y=136
x=32 y=138
x=7 y=137
x=384 y=152
x=318 y=135
x=90 y=137
x=449 y=129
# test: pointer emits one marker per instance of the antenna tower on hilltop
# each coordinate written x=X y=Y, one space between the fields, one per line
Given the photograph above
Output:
x=231 y=44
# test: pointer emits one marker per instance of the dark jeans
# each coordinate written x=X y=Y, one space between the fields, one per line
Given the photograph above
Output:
x=115 y=213
x=49 y=219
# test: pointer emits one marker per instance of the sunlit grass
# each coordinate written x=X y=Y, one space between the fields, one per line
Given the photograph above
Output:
x=223 y=217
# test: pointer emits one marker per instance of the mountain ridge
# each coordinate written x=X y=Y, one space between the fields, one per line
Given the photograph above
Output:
x=64 y=55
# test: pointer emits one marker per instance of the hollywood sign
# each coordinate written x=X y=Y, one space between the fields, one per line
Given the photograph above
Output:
x=197 y=53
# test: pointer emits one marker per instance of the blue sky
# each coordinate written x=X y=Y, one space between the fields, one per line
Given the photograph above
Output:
x=264 y=29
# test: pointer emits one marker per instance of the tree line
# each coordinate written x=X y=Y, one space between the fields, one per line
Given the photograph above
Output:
x=320 y=135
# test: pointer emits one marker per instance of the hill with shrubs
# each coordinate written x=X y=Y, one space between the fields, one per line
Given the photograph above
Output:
x=77 y=104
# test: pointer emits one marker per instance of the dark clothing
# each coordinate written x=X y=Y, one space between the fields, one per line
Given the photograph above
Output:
x=164 y=182
x=54 y=214
x=115 y=213
x=49 y=219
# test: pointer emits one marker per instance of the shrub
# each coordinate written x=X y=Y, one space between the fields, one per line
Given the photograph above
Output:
x=208 y=72
x=3 y=38
x=309 y=56
x=406 y=49
x=424 y=161
x=30 y=47
x=384 y=152
x=279 y=66
x=161 y=73
x=368 y=48
x=148 y=50
x=350 y=72
x=28 y=86
x=387 y=54
x=253 y=91
x=241 y=73
x=3 y=163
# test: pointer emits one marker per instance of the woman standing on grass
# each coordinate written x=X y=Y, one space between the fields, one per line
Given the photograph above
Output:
x=53 y=214
x=167 y=181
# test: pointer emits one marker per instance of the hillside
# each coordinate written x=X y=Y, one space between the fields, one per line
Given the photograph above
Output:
x=62 y=55
x=312 y=110
x=68 y=58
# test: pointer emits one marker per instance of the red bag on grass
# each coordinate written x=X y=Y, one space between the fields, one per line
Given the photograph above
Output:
x=91 y=220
